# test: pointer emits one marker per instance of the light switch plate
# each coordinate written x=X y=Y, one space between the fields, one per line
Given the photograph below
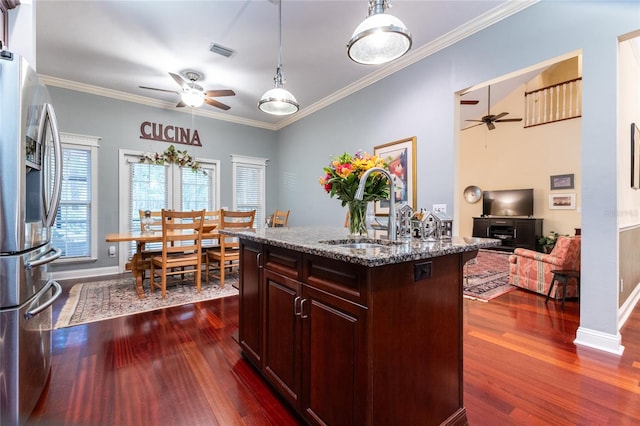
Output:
x=439 y=208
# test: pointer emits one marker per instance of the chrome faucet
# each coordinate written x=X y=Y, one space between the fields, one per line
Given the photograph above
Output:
x=391 y=230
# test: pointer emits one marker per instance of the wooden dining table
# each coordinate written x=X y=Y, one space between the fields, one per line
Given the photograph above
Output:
x=142 y=238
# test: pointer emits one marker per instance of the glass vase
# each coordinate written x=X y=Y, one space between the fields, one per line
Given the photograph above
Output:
x=358 y=218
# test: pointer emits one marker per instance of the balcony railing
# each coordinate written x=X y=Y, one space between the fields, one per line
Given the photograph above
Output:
x=549 y=104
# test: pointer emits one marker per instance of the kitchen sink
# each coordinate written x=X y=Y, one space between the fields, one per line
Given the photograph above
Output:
x=361 y=245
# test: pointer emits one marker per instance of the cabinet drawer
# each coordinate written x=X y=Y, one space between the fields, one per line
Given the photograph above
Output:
x=502 y=222
x=283 y=261
x=345 y=280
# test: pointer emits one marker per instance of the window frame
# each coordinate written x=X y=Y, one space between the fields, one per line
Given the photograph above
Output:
x=91 y=144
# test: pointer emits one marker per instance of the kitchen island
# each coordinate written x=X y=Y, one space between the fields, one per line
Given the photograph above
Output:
x=356 y=332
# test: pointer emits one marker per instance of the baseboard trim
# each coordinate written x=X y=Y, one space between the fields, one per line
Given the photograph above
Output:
x=599 y=340
x=628 y=306
x=85 y=273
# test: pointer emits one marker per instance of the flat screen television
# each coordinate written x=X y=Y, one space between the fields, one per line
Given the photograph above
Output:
x=508 y=202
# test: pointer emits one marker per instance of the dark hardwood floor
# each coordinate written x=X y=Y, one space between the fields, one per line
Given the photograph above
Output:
x=181 y=366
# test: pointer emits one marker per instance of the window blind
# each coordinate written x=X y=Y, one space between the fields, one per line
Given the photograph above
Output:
x=72 y=228
x=195 y=190
x=249 y=187
x=148 y=190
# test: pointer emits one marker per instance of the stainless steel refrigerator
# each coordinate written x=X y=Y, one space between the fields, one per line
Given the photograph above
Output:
x=30 y=180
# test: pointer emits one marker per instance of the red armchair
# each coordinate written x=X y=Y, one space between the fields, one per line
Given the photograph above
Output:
x=531 y=270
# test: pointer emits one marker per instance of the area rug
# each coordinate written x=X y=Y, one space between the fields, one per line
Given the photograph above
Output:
x=101 y=300
x=487 y=276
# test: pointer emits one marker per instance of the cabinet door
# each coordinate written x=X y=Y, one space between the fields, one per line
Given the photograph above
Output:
x=334 y=359
x=250 y=320
x=480 y=227
x=282 y=334
x=525 y=234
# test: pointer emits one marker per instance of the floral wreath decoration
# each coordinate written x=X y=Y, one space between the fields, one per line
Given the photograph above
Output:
x=173 y=156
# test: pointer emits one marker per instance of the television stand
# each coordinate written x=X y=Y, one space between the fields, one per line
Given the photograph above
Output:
x=514 y=232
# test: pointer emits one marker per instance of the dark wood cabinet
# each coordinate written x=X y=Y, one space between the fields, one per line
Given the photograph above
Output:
x=513 y=232
x=282 y=334
x=347 y=344
x=250 y=334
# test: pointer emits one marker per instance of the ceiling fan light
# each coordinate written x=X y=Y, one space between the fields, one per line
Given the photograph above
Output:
x=278 y=101
x=378 y=39
x=193 y=98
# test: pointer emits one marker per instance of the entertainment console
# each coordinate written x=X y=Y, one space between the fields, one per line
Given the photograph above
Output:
x=513 y=232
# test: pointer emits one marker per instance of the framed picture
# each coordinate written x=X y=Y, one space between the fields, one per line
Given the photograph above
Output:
x=562 y=182
x=635 y=156
x=401 y=157
x=3 y=25
x=562 y=201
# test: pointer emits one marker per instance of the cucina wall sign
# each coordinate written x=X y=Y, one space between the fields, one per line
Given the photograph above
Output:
x=169 y=133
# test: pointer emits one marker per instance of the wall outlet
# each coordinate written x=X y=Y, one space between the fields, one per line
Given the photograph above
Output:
x=112 y=251
x=440 y=208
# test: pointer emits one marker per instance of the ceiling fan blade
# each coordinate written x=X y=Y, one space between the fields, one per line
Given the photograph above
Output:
x=504 y=120
x=469 y=102
x=478 y=121
x=217 y=93
x=180 y=81
x=491 y=126
x=181 y=104
x=475 y=125
x=159 y=90
x=499 y=116
x=216 y=104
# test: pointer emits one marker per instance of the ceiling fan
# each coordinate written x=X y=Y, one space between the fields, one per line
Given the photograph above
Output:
x=489 y=119
x=193 y=94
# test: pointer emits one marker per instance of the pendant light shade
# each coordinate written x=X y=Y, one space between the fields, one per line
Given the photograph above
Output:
x=380 y=38
x=279 y=101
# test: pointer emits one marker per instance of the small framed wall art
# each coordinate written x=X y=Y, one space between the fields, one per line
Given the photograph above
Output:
x=635 y=156
x=562 y=201
x=401 y=157
x=562 y=182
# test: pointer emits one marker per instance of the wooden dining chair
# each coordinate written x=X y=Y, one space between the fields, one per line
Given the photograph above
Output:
x=181 y=248
x=211 y=221
x=227 y=255
x=279 y=218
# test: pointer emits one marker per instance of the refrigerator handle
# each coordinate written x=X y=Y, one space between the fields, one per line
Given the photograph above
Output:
x=44 y=259
x=52 y=209
x=35 y=311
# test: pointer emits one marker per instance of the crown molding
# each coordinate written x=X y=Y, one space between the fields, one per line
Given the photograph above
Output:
x=481 y=22
x=128 y=97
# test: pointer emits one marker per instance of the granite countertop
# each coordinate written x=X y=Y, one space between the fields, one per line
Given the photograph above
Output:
x=325 y=241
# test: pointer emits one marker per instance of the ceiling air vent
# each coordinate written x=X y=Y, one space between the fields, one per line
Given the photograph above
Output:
x=221 y=50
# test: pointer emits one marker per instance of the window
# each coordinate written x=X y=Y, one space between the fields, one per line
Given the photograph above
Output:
x=166 y=186
x=75 y=229
x=249 y=186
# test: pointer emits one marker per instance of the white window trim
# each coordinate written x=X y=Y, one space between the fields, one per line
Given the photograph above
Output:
x=92 y=142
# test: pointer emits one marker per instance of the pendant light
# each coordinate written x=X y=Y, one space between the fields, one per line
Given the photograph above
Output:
x=279 y=101
x=380 y=38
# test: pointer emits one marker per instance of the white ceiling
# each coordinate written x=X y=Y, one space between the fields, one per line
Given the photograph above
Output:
x=112 y=47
